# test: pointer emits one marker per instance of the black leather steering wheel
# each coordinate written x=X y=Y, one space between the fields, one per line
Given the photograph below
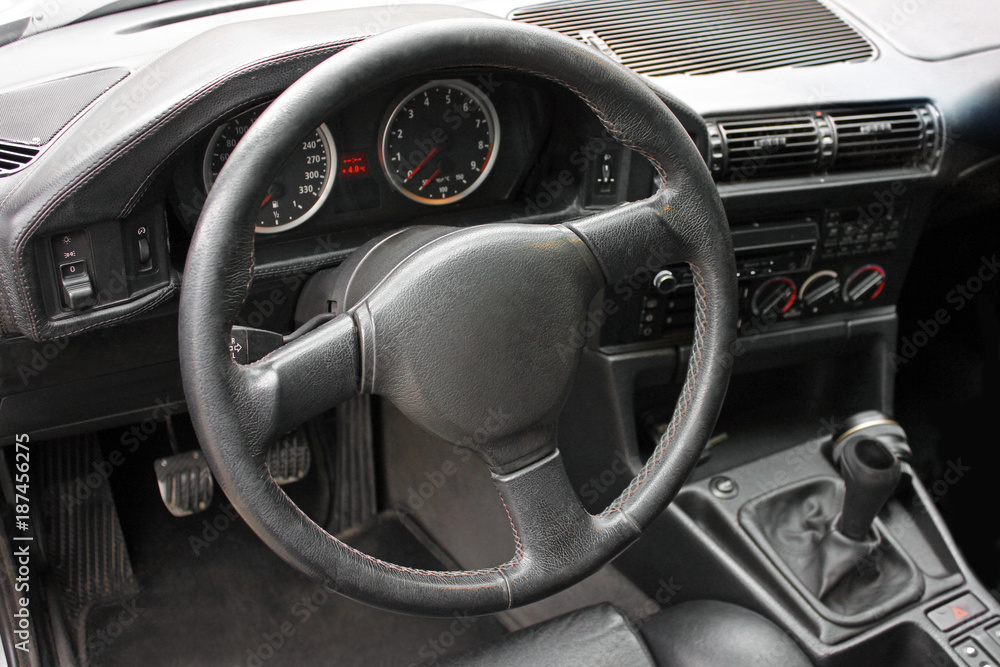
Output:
x=475 y=319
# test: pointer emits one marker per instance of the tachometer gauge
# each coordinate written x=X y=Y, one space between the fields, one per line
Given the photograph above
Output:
x=440 y=142
x=300 y=188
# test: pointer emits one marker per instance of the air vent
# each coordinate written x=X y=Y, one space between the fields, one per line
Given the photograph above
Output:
x=663 y=37
x=15 y=156
x=763 y=147
x=804 y=144
x=882 y=139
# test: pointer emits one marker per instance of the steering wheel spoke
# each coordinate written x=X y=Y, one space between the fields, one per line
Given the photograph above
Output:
x=301 y=379
x=551 y=527
x=642 y=236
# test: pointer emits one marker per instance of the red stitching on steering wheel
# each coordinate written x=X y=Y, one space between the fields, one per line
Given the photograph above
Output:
x=693 y=371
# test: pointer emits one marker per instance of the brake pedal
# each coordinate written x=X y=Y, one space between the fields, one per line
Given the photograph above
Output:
x=289 y=459
x=186 y=483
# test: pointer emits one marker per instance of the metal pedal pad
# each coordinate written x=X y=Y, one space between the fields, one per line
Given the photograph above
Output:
x=186 y=483
x=289 y=459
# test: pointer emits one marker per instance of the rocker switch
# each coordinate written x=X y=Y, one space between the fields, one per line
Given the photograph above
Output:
x=77 y=288
x=143 y=253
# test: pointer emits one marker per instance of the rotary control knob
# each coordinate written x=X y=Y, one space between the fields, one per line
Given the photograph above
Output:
x=776 y=295
x=864 y=285
x=665 y=281
x=819 y=289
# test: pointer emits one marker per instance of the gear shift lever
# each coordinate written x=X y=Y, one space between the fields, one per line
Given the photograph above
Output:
x=871 y=473
x=824 y=540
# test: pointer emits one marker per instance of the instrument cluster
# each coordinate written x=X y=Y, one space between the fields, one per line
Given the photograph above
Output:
x=435 y=144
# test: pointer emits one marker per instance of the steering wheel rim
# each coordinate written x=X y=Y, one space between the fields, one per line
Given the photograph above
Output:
x=238 y=410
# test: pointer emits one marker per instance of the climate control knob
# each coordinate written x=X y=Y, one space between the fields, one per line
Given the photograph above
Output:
x=819 y=289
x=864 y=285
x=774 y=296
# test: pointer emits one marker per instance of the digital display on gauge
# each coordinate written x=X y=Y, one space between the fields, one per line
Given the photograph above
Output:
x=353 y=165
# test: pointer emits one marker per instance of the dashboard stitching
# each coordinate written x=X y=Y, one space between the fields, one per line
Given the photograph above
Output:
x=137 y=196
x=121 y=149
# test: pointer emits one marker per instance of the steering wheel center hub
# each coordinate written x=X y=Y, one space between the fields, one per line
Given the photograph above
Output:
x=477 y=334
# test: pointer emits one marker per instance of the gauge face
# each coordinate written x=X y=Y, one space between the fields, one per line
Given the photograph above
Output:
x=440 y=142
x=300 y=188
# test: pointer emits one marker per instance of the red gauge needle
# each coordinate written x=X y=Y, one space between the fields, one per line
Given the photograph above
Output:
x=433 y=176
x=423 y=163
x=266 y=199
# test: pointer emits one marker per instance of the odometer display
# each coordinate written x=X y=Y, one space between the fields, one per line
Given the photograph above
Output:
x=440 y=142
x=300 y=188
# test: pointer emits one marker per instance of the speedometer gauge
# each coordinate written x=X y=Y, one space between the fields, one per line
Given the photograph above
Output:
x=440 y=142
x=301 y=186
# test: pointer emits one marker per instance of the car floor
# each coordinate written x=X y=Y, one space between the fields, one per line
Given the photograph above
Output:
x=211 y=593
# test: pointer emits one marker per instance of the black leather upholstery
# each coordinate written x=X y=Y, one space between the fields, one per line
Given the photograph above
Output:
x=702 y=633
x=850 y=581
x=600 y=635
x=708 y=633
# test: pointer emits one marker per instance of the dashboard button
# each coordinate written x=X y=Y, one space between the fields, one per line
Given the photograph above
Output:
x=144 y=253
x=956 y=612
x=77 y=289
x=973 y=654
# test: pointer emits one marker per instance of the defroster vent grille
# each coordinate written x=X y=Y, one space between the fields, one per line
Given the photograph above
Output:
x=663 y=37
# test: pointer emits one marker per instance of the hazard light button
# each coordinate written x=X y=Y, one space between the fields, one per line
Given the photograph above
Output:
x=958 y=611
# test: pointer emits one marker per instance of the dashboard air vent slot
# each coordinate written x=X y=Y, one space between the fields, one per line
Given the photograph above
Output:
x=768 y=147
x=881 y=139
x=15 y=156
x=663 y=37
x=817 y=142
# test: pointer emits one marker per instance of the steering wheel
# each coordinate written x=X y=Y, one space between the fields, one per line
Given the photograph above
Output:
x=476 y=319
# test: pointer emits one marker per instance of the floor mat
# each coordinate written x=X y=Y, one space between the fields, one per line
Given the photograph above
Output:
x=213 y=594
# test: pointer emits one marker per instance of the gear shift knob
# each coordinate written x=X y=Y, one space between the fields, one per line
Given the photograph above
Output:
x=871 y=473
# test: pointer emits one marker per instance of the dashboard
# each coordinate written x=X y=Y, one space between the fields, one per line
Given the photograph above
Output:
x=100 y=194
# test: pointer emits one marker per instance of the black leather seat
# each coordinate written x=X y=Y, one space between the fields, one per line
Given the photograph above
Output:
x=702 y=633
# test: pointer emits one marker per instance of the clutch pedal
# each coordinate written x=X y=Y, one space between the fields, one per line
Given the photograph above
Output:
x=186 y=483
x=289 y=459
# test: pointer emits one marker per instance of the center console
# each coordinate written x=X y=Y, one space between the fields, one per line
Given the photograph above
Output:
x=837 y=541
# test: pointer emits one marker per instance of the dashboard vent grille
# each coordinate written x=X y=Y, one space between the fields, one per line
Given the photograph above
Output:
x=769 y=146
x=818 y=142
x=15 y=156
x=882 y=139
x=663 y=37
